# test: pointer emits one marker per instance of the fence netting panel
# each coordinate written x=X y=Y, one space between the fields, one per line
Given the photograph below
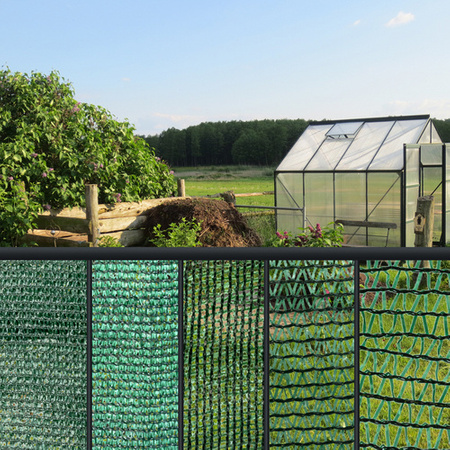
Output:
x=311 y=354
x=223 y=354
x=135 y=354
x=405 y=355
x=43 y=331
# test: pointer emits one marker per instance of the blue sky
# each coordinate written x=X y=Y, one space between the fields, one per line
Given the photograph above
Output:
x=174 y=63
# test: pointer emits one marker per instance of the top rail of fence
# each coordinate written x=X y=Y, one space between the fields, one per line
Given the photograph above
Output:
x=226 y=253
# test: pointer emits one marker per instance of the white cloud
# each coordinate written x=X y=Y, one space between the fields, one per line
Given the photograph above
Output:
x=356 y=23
x=438 y=108
x=401 y=18
x=126 y=79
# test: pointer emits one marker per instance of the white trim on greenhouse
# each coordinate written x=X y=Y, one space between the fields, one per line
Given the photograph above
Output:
x=365 y=170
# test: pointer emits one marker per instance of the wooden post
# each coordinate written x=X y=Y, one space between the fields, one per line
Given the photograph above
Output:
x=181 y=188
x=92 y=214
x=424 y=224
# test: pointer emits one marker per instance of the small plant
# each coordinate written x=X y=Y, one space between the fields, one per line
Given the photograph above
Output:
x=329 y=236
x=109 y=241
x=182 y=234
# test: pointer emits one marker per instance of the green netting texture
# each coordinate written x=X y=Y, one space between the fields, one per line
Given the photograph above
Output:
x=135 y=354
x=223 y=354
x=405 y=355
x=311 y=354
x=43 y=330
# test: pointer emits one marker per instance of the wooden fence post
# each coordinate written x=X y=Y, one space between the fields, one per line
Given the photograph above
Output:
x=92 y=214
x=424 y=224
x=181 y=188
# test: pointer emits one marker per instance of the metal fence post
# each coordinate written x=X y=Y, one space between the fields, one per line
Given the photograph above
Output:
x=180 y=357
x=356 y=356
x=89 y=356
x=266 y=411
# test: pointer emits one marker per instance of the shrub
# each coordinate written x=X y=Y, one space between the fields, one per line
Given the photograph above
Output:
x=182 y=234
x=55 y=145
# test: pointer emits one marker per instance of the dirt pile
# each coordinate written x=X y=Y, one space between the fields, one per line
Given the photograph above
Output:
x=222 y=224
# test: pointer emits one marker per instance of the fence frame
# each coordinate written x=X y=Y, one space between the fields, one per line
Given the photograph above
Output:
x=207 y=254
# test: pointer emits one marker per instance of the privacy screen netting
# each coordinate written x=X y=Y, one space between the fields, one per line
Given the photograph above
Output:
x=43 y=354
x=135 y=354
x=223 y=354
x=311 y=354
x=405 y=355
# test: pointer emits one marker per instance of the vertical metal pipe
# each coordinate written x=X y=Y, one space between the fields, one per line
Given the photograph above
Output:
x=266 y=412
x=356 y=355
x=89 y=356
x=180 y=356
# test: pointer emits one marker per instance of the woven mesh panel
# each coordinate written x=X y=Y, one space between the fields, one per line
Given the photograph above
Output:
x=311 y=354
x=43 y=354
x=135 y=354
x=223 y=354
x=405 y=356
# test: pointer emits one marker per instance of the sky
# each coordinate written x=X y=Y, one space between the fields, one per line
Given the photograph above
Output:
x=175 y=63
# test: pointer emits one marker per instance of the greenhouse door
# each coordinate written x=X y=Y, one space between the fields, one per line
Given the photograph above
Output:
x=411 y=191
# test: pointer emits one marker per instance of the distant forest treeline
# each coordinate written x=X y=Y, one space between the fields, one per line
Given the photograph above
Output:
x=259 y=142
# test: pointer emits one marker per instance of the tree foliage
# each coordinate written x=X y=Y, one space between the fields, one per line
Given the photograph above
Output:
x=51 y=146
x=261 y=142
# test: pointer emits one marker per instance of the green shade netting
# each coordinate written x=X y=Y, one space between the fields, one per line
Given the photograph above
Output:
x=43 y=354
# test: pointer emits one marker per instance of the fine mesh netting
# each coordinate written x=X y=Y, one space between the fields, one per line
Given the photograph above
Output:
x=135 y=354
x=223 y=354
x=311 y=354
x=43 y=354
x=405 y=355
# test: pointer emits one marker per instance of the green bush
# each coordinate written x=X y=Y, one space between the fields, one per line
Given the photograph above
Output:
x=55 y=145
x=182 y=234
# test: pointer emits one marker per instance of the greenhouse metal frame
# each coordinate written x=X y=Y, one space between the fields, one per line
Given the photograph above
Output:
x=366 y=174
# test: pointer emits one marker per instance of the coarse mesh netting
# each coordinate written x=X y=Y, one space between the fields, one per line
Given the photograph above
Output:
x=43 y=331
x=405 y=355
x=223 y=354
x=311 y=354
x=135 y=354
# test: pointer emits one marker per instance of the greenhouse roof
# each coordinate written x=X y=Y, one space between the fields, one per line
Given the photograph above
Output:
x=358 y=144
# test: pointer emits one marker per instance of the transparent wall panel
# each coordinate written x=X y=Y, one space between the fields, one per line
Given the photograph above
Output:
x=432 y=185
x=384 y=205
x=319 y=198
x=329 y=154
x=431 y=154
x=411 y=191
x=350 y=204
x=365 y=146
x=390 y=155
x=289 y=192
x=426 y=135
x=304 y=149
x=447 y=193
x=434 y=135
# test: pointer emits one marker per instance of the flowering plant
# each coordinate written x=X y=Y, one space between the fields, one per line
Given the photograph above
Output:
x=329 y=236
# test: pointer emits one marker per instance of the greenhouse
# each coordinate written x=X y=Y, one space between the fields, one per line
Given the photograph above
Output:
x=366 y=174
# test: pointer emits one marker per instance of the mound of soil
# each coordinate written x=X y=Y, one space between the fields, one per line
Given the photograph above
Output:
x=222 y=224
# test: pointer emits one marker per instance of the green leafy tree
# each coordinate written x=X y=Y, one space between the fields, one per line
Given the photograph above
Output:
x=55 y=145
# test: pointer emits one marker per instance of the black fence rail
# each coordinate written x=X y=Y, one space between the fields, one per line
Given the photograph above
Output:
x=225 y=348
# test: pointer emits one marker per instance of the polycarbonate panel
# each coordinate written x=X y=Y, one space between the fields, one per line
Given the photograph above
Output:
x=289 y=189
x=426 y=135
x=365 y=146
x=350 y=204
x=435 y=138
x=390 y=155
x=447 y=193
x=431 y=154
x=384 y=205
x=305 y=148
x=329 y=154
x=411 y=191
x=319 y=198
x=432 y=185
